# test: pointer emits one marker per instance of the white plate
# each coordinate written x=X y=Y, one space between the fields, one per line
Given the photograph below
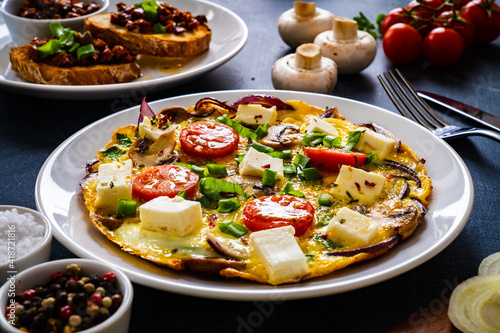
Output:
x=229 y=35
x=58 y=197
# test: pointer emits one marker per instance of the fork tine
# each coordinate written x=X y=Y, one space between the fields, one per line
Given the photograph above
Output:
x=435 y=117
x=398 y=94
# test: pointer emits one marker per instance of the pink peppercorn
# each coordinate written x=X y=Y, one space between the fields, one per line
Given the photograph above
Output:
x=66 y=312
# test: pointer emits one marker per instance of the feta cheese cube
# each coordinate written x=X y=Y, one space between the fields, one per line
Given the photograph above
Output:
x=256 y=114
x=358 y=184
x=351 y=226
x=254 y=163
x=379 y=144
x=176 y=216
x=113 y=183
x=319 y=125
x=283 y=259
x=152 y=131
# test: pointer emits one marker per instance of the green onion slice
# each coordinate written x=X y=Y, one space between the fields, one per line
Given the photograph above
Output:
x=232 y=228
x=228 y=205
x=212 y=187
x=284 y=155
x=182 y=194
x=261 y=131
x=310 y=174
x=216 y=169
x=288 y=189
x=269 y=177
x=241 y=130
x=126 y=207
x=289 y=168
x=301 y=161
x=352 y=139
x=325 y=199
x=331 y=141
x=261 y=148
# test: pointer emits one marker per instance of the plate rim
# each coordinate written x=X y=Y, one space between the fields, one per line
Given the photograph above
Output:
x=115 y=90
x=267 y=292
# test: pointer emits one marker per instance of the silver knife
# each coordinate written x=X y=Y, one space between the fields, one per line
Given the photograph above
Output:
x=487 y=119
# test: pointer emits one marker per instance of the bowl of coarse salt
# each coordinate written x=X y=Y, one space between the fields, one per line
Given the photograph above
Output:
x=25 y=240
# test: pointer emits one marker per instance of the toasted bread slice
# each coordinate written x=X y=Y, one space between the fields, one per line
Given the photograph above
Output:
x=78 y=75
x=184 y=45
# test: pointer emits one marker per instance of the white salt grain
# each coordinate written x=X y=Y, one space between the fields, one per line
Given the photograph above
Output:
x=28 y=233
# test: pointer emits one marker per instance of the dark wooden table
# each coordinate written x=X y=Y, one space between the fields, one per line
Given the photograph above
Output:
x=31 y=128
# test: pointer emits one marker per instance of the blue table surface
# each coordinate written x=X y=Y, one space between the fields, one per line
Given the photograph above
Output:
x=31 y=128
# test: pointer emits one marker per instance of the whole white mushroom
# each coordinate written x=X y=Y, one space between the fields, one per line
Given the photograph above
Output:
x=303 y=22
x=305 y=70
x=352 y=50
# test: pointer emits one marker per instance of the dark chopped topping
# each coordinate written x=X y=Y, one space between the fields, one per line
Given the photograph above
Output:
x=56 y=9
x=166 y=19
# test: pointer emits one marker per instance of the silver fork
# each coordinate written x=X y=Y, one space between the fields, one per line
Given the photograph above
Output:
x=415 y=108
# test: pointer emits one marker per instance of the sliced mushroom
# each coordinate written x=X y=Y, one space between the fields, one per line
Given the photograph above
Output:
x=226 y=248
x=150 y=153
x=282 y=136
x=403 y=219
x=174 y=114
x=110 y=222
x=352 y=50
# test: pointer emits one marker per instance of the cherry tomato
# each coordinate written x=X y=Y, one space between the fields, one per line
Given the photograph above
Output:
x=208 y=139
x=460 y=22
x=396 y=15
x=485 y=15
x=331 y=159
x=278 y=211
x=443 y=47
x=402 y=43
x=164 y=180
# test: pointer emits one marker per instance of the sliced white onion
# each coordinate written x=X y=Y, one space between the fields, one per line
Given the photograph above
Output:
x=490 y=265
x=474 y=306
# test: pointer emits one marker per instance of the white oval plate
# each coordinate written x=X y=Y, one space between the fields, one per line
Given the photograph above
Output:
x=58 y=196
x=229 y=35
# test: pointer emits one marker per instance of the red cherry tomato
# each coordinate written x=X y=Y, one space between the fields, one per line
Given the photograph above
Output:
x=331 y=159
x=278 y=211
x=396 y=15
x=485 y=15
x=164 y=180
x=460 y=22
x=402 y=43
x=208 y=139
x=443 y=47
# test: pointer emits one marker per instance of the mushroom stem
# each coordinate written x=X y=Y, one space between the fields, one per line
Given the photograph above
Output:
x=304 y=9
x=344 y=28
x=308 y=56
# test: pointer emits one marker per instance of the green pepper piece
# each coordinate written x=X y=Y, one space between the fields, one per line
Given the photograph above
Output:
x=150 y=12
x=56 y=29
x=52 y=47
x=84 y=51
x=159 y=28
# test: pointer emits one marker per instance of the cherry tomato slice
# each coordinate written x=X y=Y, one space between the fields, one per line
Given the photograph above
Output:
x=331 y=159
x=164 y=180
x=208 y=139
x=278 y=211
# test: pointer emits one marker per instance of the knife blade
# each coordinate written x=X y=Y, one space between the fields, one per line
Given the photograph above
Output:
x=484 y=118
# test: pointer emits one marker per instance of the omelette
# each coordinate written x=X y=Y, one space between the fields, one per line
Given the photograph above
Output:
x=271 y=191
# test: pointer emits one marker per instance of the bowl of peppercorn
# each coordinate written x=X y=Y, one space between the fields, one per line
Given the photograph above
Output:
x=70 y=295
x=26 y=19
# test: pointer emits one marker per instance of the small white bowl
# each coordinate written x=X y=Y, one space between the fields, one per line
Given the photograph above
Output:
x=118 y=322
x=38 y=254
x=22 y=29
